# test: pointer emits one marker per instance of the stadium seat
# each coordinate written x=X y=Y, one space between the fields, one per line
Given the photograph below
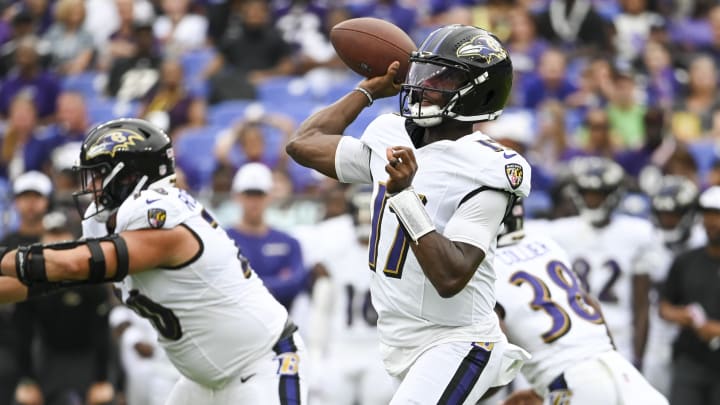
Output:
x=194 y=63
x=84 y=83
x=227 y=112
x=102 y=109
x=194 y=155
x=283 y=89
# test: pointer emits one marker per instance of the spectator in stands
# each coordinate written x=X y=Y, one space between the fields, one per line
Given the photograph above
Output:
x=551 y=81
x=713 y=49
x=220 y=15
x=71 y=47
x=41 y=12
x=690 y=300
x=178 y=30
x=247 y=140
x=217 y=196
x=551 y=144
x=32 y=194
x=131 y=78
x=661 y=85
x=632 y=29
x=300 y=22
x=121 y=43
x=252 y=50
x=692 y=112
x=31 y=199
x=21 y=27
x=30 y=79
x=575 y=24
x=71 y=126
x=656 y=149
x=595 y=137
x=168 y=101
x=72 y=330
x=397 y=12
x=523 y=44
x=625 y=112
x=19 y=129
x=274 y=255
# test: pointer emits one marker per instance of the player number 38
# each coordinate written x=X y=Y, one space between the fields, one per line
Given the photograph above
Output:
x=542 y=299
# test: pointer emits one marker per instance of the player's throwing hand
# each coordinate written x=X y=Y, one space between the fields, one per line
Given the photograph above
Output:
x=401 y=167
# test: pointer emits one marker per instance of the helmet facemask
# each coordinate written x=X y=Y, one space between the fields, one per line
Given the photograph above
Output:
x=435 y=88
x=107 y=186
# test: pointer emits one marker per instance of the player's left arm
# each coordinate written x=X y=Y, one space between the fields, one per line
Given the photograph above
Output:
x=111 y=259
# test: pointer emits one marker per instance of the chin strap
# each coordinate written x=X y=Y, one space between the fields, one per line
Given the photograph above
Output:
x=30 y=262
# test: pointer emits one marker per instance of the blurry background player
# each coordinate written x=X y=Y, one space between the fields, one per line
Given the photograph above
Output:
x=545 y=310
x=149 y=374
x=691 y=299
x=612 y=254
x=674 y=214
x=342 y=336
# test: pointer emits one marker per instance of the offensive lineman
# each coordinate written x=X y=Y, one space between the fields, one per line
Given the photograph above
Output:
x=220 y=327
x=440 y=192
x=546 y=311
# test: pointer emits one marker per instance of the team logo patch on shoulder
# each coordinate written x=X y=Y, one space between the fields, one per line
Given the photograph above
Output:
x=514 y=174
x=156 y=217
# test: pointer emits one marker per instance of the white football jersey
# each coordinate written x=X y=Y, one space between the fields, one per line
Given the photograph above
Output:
x=354 y=319
x=412 y=315
x=606 y=259
x=545 y=312
x=213 y=315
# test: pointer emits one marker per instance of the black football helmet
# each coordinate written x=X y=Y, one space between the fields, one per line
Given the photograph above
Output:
x=513 y=225
x=118 y=159
x=467 y=66
x=600 y=177
x=674 y=206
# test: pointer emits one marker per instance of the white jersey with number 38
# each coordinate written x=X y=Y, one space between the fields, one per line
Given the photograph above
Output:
x=606 y=259
x=545 y=311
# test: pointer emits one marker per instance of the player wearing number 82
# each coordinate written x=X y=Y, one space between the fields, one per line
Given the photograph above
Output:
x=546 y=311
x=440 y=192
x=612 y=253
x=221 y=328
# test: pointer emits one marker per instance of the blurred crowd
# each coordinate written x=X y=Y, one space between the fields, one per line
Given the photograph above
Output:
x=633 y=81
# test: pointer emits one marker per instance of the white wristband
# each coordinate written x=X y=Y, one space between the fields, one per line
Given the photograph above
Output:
x=366 y=93
x=410 y=210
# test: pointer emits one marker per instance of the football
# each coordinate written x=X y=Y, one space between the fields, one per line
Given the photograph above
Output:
x=369 y=45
